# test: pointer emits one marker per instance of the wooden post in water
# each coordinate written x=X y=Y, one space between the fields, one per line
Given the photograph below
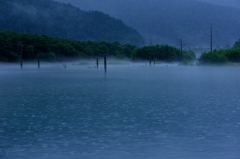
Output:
x=154 y=58
x=20 y=53
x=21 y=63
x=97 y=62
x=105 y=63
x=38 y=60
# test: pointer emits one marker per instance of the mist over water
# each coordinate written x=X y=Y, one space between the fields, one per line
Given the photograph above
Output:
x=132 y=111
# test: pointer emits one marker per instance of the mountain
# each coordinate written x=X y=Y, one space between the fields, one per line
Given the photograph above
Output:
x=168 y=21
x=64 y=20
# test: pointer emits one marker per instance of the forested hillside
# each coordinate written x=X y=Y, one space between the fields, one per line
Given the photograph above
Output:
x=167 y=21
x=64 y=20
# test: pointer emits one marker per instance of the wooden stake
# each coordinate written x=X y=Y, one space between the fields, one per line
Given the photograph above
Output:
x=38 y=60
x=105 y=63
x=20 y=53
x=97 y=62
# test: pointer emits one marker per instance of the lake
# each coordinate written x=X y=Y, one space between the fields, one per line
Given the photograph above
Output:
x=132 y=111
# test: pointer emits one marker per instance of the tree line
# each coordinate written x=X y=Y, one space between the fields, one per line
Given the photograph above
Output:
x=222 y=56
x=58 y=49
x=163 y=53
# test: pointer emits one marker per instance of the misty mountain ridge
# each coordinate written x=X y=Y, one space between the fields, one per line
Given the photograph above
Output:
x=64 y=20
x=168 y=21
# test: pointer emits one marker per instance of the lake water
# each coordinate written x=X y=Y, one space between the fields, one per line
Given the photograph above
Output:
x=131 y=112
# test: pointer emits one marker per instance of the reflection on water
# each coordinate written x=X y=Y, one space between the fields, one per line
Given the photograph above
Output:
x=130 y=112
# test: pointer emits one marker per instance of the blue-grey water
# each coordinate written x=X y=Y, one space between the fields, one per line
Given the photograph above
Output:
x=131 y=112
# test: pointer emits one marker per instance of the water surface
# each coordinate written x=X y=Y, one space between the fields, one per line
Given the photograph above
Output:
x=132 y=111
